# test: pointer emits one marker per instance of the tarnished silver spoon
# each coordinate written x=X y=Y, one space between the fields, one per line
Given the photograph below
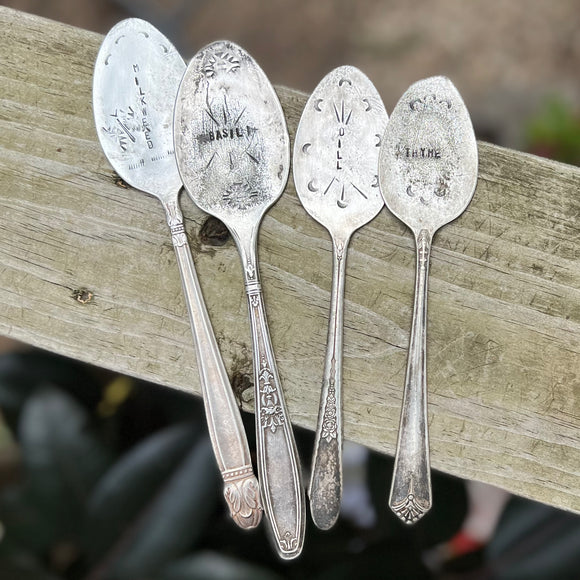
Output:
x=336 y=155
x=427 y=175
x=233 y=154
x=137 y=74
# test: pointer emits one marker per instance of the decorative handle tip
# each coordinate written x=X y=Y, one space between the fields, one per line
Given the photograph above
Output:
x=409 y=510
x=243 y=499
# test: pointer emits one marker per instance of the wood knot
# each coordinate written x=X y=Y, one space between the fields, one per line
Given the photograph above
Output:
x=214 y=232
x=118 y=181
x=82 y=295
x=242 y=382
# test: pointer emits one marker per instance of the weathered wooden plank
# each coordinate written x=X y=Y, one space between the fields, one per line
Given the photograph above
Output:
x=504 y=310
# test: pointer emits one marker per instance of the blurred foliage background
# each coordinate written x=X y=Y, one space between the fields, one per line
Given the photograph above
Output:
x=106 y=478
x=554 y=131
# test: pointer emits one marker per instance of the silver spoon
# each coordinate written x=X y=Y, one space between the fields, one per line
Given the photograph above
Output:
x=336 y=154
x=427 y=175
x=137 y=74
x=233 y=153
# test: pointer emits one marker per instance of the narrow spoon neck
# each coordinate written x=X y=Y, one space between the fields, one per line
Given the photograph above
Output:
x=423 y=243
x=247 y=247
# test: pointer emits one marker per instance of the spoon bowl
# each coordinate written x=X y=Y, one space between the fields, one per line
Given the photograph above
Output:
x=136 y=77
x=428 y=161
x=232 y=143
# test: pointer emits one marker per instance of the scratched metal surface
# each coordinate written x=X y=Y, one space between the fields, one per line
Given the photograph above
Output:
x=139 y=74
x=231 y=139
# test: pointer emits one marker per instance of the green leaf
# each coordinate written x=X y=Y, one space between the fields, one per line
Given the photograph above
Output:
x=129 y=487
x=23 y=570
x=63 y=457
x=18 y=563
x=555 y=131
x=171 y=523
x=214 y=566
x=25 y=526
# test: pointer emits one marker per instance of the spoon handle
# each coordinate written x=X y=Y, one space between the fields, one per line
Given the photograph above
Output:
x=326 y=481
x=223 y=416
x=278 y=464
x=410 y=496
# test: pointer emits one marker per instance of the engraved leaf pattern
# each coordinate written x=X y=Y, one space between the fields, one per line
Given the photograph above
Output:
x=289 y=541
x=123 y=126
x=250 y=271
x=271 y=415
x=175 y=222
x=116 y=134
x=409 y=509
x=243 y=499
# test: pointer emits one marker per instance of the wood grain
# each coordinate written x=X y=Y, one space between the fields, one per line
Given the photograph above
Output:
x=504 y=300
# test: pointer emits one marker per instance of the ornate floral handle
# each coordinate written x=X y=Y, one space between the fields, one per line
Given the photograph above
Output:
x=326 y=481
x=223 y=416
x=278 y=464
x=410 y=496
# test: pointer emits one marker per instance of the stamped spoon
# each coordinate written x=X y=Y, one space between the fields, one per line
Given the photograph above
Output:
x=233 y=153
x=137 y=74
x=427 y=175
x=336 y=155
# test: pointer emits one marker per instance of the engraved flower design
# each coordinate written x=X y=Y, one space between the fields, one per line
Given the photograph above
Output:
x=442 y=188
x=427 y=191
x=222 y=61
x=271 y=418
x=329 y=429
x=122 y=127
x=241 y=195
x=430 y=102
x=329 y=424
